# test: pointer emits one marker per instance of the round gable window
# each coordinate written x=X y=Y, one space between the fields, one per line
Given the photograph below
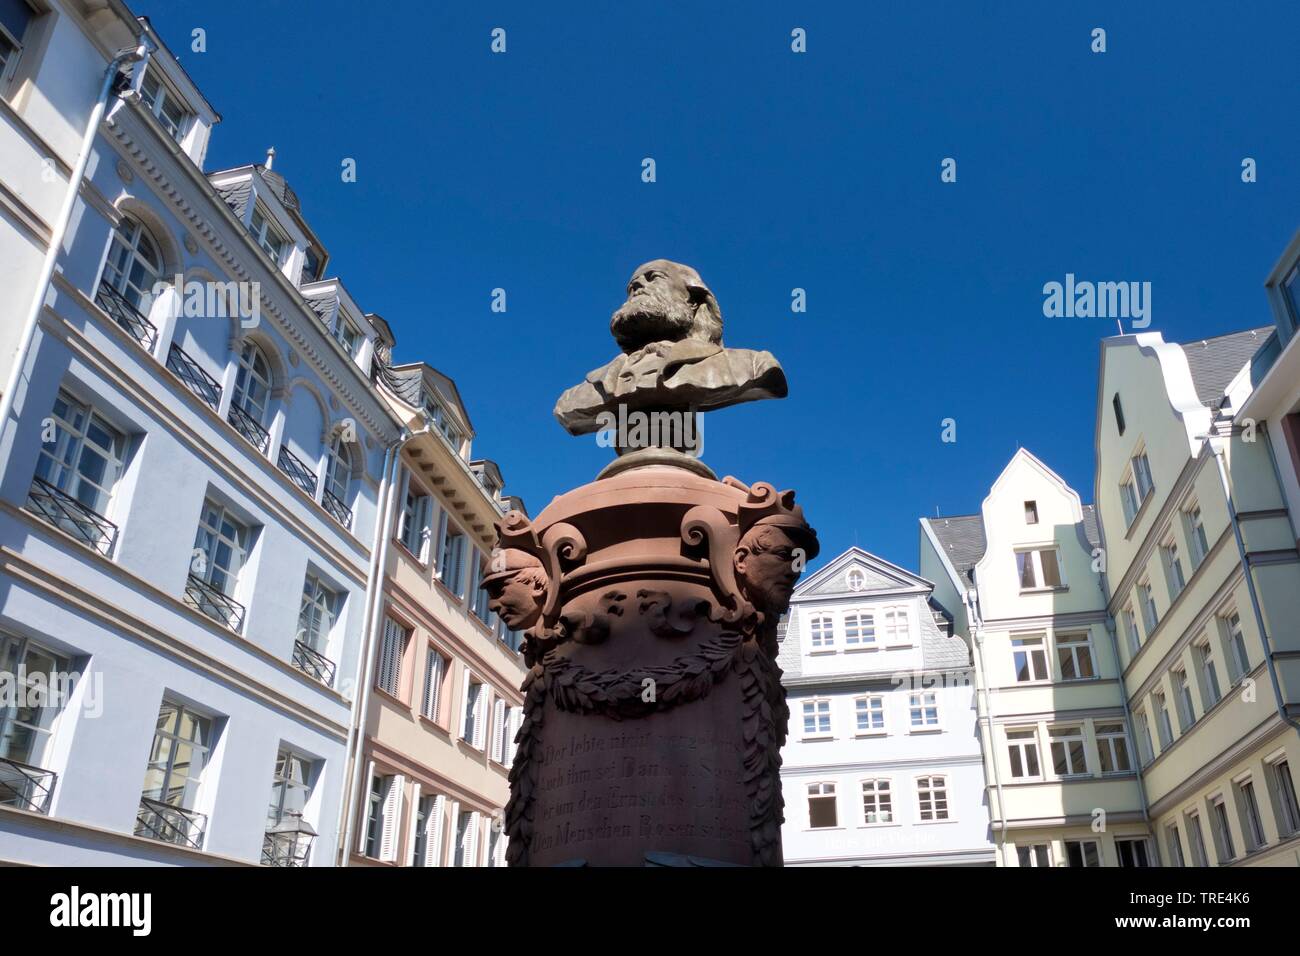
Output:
x=856 y=580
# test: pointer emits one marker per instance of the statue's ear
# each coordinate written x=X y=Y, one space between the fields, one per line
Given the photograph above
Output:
x=739 y=559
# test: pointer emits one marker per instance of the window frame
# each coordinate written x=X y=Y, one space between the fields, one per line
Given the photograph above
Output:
x=1023 y=749
x=870 y=712
x=878 y=791
x=817 y=733
x=1030 y=557
x=827 y=794
x=936 y=787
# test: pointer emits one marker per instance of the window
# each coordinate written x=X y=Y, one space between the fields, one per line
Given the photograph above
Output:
x=1145 y=748
x=466 y=839
x=859 y=628
x=383 y=810
x=816 y=718
x=923 y=708
x=1132 y=852
x=1173 y=567
x=877 y=803
x=505 y=731
x=1220 y=829
x=897 y=629
x=319 y=611
x=134 y=265
x=856 y=580
x=1039 y=568
x=822 y=811
x=427 y=846
x=83 y=462
x=36 y=693
x=435 y=669
x=392 y=648
x=1204 y=655
x=1164 y=729
x=1031 y=512
x=1136 y=486
x=1082 y=853
x=1142 y=474
x=471 y=730
x=1183 y=700
x=932 y=797
x=451 y=557
x=414 y=525
x=15 y=15
x=1175 y=845
x=871 y=714
x=1112 y=748
x=311 y=263
x=478 y=594
x=1030 y=659
x=1035 y=854
x=1194 y=524
x=1131 y=630
x=1147 y=600
x=288 y=841
x=338 y=470
x=1022 y=751
x=220 y=549
x=346 y=334
x=1119 y=413
x=1196 y=840
x=271 y=240
x=1074 y=654
x=1235 y=639
x=1067 y=751
x=252 y=384
x=442 y=419
x=181 y=743
x=1252 y=825
x=823 y=632
x=164 y=104
x=1284 y=797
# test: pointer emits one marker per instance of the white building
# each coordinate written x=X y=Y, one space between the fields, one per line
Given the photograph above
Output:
x=882 y=766
x=188 y=500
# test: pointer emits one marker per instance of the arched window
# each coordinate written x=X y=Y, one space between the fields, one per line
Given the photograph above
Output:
x=252 y=383
x=856 y=580
x=338 y=475
x=134 y=264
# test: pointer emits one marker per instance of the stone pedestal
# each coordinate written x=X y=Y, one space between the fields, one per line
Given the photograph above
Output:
x=653 y=713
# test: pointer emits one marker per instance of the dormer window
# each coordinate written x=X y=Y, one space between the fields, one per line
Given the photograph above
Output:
x=165 y=105
x=267 y=236
x=15 y=16
x=1291 y=289
x=442 y=419
x=310 y=267
x=346 y=334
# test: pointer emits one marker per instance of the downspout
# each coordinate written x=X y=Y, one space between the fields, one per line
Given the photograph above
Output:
x=977 y=627
x=1250 y=578
x=366 y=657
x=61 y=224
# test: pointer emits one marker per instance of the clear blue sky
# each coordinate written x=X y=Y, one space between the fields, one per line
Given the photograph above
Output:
x=778 y=170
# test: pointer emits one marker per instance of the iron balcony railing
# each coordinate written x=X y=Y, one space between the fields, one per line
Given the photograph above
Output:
x=313 y=663
x=249 y=427
x=341 y=512
x=25 y=787
x=68 y=514
x=286 y=849
x=222 y=609
x=127 y=316
x=297 y=470
x=162 y=821
x=196 y=380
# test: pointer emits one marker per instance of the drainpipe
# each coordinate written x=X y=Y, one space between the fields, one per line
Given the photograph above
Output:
x=1216 y=448
x=366 y=657
x=61 y=224
x=977 y=627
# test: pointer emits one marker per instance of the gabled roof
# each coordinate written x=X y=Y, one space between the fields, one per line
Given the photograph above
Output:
x=831 y=579
x=1216 y=361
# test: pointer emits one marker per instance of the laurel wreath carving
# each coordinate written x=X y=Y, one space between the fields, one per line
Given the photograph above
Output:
x=621 y=695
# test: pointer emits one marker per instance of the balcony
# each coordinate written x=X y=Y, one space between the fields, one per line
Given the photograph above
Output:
x=168 y=824
x=202 y=596
x=297 y=470
x=25 y=787
x=121 y=311
x=313 y=663
x=341 y=512
x=249 y=427
x=68 y=514
x=195 y=379
x=288 y=843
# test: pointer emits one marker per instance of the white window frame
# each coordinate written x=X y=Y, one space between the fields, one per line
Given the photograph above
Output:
x=919 y=705
x=871 y=712
x=1026 y=749
x=1033 y=647
x=1198 y=542
x=1184 y=704
x=1207 y=672
x=877 y=793
x=393 y=643
x=820 y=708
x=1031 y=558
x=162 y=96
x=1234 y=639
x=1062 y=741
x=268 y=228
x=931 y=790
x=823 y=791
x=860 y=630
x=896 y=626
x=1077 y=647
x=821 y=633
x=1173 y=565
x=436 y=665
x=1112 y=744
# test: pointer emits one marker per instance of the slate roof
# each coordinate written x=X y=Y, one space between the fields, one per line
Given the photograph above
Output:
x=236 y=196
x=288 y=198
x=1215 y=362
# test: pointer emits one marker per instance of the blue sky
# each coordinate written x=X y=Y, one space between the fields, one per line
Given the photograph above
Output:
x=778 y=170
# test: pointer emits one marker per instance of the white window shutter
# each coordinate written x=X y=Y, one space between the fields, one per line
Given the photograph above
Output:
x=392 y=817
x=365 y=813
x=516 y=721
x=436 y=558
x=464 y=702
x=413 y=833
x=471 y=841
x=453 y=831
x=498 y=730
x=434 y=828
x=481 y=715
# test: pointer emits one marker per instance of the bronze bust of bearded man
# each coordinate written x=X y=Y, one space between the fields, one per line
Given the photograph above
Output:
x=670 y=331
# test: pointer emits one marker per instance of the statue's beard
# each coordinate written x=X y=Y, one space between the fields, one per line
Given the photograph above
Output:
x=651 y=316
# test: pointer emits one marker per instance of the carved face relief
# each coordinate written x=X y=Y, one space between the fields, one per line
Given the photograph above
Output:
x=518 y=598
x=658 y=307
x=765 y=568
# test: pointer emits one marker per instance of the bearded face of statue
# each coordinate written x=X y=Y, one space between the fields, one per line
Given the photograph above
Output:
x=518 y=598
x=658 y=307
x=765 y=566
